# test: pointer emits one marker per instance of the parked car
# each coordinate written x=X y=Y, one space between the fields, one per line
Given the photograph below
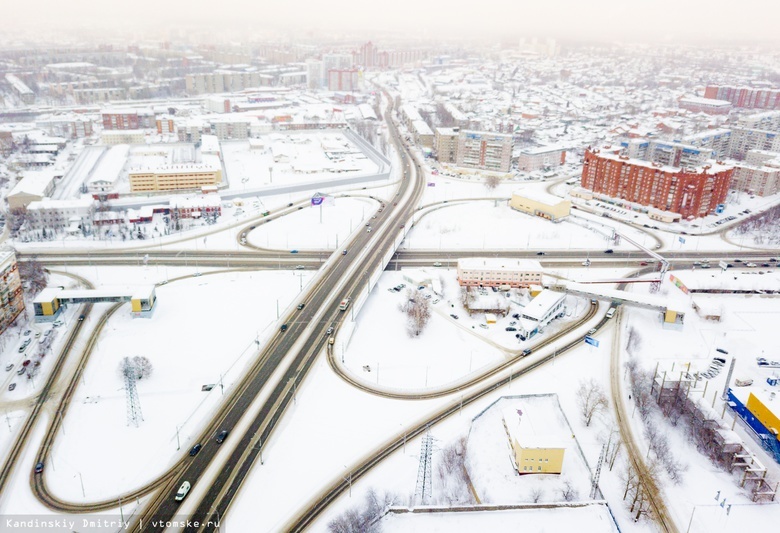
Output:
x=454 y=316
x=27 y=332
x=195 y=449
x=9 y=367
x=12 y=386
x=222 y=436
x=510 y=328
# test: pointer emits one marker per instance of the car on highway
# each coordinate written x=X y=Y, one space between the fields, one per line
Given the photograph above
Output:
x=283 y=328
x=38 y=468
x=12 y=386
x=299 y=267
x=368 y=224
x=182 y=492
x=81 y=318
x=301 y=306
x=437 y=264
x=368 y=230
x=591 y=331
x=643 y=263
x=222 y=436
x=329 y=331
x=344 y=252
x=540 y=253
x=586 y=262
x=290 y=204
x=609 y=251
x=195 y=449
x=293 y=251
x=527 y=351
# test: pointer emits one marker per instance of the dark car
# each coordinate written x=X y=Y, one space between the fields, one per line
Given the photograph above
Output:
x=290 y=204
x=539 y=253
x=38 y=468
x=301 y=306
x=293 y=251
x=344 y=252
x=609 y=251
x=284 y=327
x=510 y=328
x=721 y=350
x=195 y=449
x=454 y=316
x=12 y=386
x=81 y=318
x=222 y=436
x=330 y=331
x=526 y=351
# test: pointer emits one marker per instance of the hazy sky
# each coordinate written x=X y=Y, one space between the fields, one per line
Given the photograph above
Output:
x=589 y=19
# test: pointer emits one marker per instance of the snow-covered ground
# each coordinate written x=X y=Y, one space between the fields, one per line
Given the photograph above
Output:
x=323 y=228
x=592 y=518
x=180 y=341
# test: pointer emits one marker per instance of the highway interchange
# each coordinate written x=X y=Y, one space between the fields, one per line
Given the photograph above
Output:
x=269 y=387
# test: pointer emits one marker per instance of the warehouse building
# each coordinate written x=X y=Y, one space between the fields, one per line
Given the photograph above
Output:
x=546 y=307
x=540 y=204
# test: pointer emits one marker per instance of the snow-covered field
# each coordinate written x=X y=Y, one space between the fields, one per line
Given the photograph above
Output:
x=312 y=227
x=204 y=331
x=494 y=225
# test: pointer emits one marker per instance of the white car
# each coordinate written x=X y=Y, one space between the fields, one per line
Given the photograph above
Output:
x=586 y=263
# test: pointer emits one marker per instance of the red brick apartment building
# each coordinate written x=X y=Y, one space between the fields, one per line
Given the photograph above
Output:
x=689 y=192
x=750 y=97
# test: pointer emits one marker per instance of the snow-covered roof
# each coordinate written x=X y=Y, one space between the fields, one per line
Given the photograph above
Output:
x=542 y=303
x=540 y=196
x=529 y=429
x=537 y=150
x=111 y=164
x=499 y=263
x=34 y=183
x=48 y=203
x=698 y=100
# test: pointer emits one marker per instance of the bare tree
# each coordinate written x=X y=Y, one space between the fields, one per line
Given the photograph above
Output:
x=34 y=276
x=568 y=492
x=363 y=519
x=634 y=342
x=536 y=494
x=467 y=297
x=452 y=476
x=143 y=366
x=491 y=182
x=591 y=400
x=418 y=312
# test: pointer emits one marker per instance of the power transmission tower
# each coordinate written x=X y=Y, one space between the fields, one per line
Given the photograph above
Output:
x=594 y=487
x=130 y=372
x=422 y=491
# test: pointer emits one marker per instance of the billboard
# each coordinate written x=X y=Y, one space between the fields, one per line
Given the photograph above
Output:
x=323 y=200
x=678 y=283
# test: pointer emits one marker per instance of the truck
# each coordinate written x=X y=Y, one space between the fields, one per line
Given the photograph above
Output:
x=344 y=304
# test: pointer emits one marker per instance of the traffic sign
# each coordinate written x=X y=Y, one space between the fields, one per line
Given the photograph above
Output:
x=590 y=340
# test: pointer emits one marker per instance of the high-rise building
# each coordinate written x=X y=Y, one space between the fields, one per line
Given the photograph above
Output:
x=128 y=119
x=751 y=97
x=11 y=294
x=344 y=80
x=484 y=150
x=690 y=192
x=447 y=144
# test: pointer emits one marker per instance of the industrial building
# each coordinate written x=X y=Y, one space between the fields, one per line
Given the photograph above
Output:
x=11 y=293
x=546 y=307
x=540 y=204
x=496 y=271
x=484 y=150
x=534 y=450
x=691 y=193
x=711 y=106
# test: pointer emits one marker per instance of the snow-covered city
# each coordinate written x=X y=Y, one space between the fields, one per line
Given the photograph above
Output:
x=333 y=271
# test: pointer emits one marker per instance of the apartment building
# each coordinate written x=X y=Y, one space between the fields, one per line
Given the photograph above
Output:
x=128 y=119
x=494 y=272
x=59 y=215
x=541 y=158
x=750 y=97
x=690 y=192
x=11 y=294
x=484 y=150
x=225 y=81
x=446 y=144
x=346 y=80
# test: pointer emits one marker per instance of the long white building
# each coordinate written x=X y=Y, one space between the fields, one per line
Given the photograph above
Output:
x=496 y=271
x=546 y=307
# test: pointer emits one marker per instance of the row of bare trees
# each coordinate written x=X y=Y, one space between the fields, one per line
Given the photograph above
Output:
x=364 y=518
x=418 y=312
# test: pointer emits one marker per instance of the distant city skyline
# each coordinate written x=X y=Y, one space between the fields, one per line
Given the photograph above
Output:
x=639 y=20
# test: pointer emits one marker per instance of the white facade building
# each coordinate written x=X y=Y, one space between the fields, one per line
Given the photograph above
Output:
x=494 y=272
x=546 y=307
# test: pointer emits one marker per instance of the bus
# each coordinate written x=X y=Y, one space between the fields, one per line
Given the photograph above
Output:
x=344 y=304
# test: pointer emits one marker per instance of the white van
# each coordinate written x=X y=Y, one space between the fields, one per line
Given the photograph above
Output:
x=183 y=490
x=611 y=312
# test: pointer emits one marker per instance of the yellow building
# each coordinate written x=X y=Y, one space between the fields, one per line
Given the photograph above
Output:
x=760 y=403
x=177 y=176
x=533 y=450
x=540 y=204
